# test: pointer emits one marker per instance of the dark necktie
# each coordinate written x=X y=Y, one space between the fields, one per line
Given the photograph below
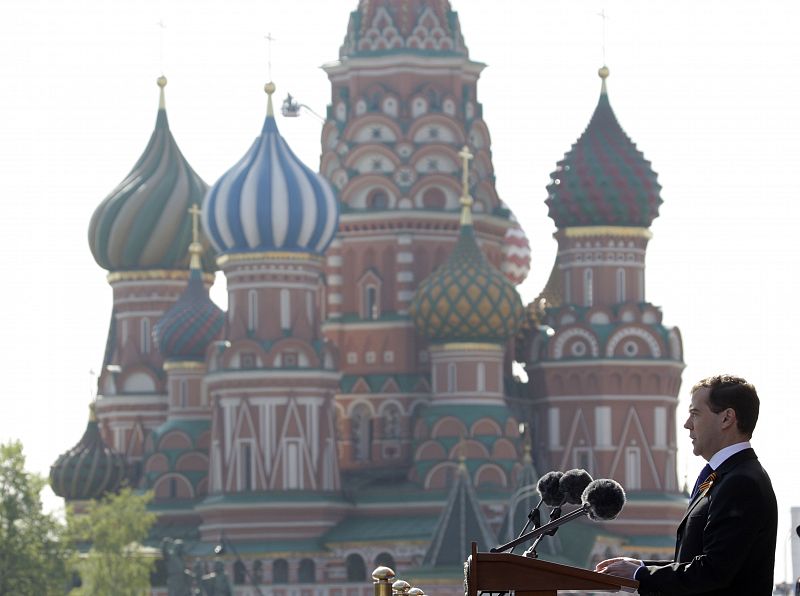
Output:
x=704 y=473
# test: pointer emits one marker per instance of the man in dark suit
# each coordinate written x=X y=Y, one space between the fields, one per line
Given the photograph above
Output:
x=726 y=539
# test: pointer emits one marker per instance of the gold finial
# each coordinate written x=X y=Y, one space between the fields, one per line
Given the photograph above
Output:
x=603 y=73
x=161 y=82
x=269 y=89
x=465 y=200
x=416 y=592
x=400 y=587
x=195 y=248
x=383 y=576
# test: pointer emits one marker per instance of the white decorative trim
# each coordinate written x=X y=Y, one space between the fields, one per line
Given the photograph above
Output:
x=646 y=336
x=563 y=337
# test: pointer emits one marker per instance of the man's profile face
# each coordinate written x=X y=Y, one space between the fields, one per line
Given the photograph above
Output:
x=705 y=427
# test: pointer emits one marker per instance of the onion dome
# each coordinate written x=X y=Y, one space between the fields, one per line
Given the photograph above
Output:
x=194 y=321
x=604 y=179
x=403 y=26
x=516 y=254
x=90 y=469
x=467 y=298
x=142 y=224
x=270 y=200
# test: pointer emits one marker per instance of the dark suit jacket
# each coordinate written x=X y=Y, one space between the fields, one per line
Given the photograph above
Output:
x=726 y=540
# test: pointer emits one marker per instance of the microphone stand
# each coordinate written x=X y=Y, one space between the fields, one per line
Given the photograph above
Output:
x=531 y=553
x=535 y=518
x=582 y=510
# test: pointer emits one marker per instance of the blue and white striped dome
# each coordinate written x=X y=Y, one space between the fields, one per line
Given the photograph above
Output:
x=270 y=201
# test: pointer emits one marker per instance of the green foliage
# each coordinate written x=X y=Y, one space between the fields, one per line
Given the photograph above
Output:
x=116 y=562
x=33 y=556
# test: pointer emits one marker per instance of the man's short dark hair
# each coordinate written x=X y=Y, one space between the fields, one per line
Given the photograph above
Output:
x=728 y=391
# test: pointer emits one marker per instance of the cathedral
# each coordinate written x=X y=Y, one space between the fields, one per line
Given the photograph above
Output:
x=355 y=404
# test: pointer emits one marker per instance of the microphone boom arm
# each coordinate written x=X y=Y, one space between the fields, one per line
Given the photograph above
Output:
x=582 y=510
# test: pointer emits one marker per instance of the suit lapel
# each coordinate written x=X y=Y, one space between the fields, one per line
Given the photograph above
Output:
x=726 y=466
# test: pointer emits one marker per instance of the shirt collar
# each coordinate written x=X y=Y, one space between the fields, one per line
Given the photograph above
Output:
x=720 y=456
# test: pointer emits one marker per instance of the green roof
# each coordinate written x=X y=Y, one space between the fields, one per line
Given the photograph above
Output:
x=397 y=527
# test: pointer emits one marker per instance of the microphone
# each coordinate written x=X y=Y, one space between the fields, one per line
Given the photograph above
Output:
x=573 y=483
x=602 y=499
x=551 y=490
x=605 y=498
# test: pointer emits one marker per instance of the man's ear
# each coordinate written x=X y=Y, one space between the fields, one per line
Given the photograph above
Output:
x=728 y=418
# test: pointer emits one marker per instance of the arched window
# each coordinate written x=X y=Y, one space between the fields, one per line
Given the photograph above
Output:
x=356 y=568
x=286 y=310
x=361 y=433
x=144 y=328
x=280 y=571
x=378 y=199
x=239 y=573
x=307 y=572
x=252 y=310
x=588 y=287
x=433 y=198
x=391 y=422
x=258 y=573
x=620 y=285
x=386 y=560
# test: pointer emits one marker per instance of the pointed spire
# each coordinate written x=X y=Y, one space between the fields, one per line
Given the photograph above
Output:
x=461 y=522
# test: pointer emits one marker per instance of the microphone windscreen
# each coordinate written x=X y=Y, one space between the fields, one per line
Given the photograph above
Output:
x=605 y=499
x=549 y=487
x=573 y=483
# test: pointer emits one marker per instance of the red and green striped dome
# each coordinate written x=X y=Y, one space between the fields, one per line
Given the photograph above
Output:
x=604 y=180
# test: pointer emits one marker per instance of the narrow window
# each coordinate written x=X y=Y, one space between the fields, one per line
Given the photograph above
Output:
x=660 y=425
x=144 y=330
x=252 y=310
x=553 y=427
x=451 y=377
x=633 y=465
x=588 y=287
x=620 y=285
x=602 y=423
x=286 y=310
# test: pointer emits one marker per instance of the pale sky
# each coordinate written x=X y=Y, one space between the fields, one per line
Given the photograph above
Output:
x=707 y=90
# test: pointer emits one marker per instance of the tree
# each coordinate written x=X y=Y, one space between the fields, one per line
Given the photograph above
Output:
x=116 y=562
x=33 y=556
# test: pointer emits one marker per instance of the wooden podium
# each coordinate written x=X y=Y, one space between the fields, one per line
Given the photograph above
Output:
x=505 y=572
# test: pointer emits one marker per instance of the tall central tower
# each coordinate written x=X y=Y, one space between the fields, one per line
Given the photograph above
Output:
x=404 y=102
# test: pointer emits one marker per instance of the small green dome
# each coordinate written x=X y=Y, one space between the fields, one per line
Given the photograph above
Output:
x=467 y=298
x=90 y=469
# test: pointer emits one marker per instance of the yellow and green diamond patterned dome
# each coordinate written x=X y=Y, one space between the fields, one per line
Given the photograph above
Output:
x=467 y=299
